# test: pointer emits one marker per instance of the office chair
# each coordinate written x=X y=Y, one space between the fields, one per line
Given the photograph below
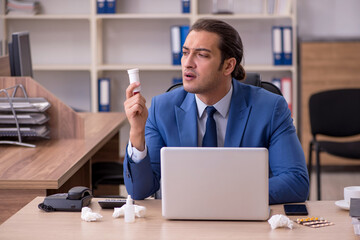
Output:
x=255 y=80
x=251 y=79
x=334 y=113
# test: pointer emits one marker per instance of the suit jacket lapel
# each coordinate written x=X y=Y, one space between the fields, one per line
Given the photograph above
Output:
x=238 y=116
x=186 y=115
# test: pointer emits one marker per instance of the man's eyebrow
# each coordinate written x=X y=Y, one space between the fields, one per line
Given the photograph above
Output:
x=198 y=49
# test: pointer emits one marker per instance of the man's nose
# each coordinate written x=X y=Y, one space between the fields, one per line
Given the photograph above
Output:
x=188 y=61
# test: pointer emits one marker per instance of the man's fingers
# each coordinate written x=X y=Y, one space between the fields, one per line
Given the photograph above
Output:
x=135 y=105
x=130 y=89
x=138 y=99
x=136 y=109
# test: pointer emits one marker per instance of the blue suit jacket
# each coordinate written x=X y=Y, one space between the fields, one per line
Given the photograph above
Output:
x=257 y=118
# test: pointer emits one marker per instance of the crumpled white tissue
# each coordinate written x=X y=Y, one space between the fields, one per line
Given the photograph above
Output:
x=280 y=220
x=140 y=211
x=88 y=215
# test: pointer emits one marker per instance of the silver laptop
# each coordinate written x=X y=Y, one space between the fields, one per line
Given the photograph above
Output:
x=215 y=183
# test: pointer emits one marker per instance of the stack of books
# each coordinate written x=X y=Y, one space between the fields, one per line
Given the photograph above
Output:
x=20 y=7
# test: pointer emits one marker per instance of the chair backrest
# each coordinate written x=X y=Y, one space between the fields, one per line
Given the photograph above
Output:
x=335 y=112
x=255 y=80
x=251 y=79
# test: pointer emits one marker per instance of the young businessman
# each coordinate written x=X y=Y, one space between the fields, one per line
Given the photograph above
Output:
x=245 y=116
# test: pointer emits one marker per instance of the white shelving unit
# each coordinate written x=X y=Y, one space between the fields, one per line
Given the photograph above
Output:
x=72 y=46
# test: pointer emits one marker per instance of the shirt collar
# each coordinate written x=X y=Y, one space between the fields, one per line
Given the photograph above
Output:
x=221 y=106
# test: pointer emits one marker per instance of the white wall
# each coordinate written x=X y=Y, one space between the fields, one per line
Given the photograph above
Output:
x=329 y=18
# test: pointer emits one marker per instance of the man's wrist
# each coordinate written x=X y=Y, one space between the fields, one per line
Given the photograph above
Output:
x=135 y=154
x=137 y=140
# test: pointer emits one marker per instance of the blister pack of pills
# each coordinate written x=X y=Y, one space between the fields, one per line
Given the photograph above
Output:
x=314 y=222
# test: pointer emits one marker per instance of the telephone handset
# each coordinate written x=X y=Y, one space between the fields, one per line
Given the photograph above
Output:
x=73 y=201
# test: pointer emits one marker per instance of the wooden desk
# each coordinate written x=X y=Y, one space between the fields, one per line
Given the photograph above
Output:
x=54 y=165
x=30 y=221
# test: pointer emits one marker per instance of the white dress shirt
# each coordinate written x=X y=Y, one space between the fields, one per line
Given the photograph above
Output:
x=221 y=118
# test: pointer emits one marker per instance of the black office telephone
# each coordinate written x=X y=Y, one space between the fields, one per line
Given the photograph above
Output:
x=73 y=201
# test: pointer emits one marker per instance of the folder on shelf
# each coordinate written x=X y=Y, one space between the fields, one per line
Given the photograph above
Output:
x=31 y=118
x=104 y=94
x=184 y=31
x=287 y=45
x=276 y=82
x=175 y=45
x=110 y=6
x=277 y=45
x=100 y=6
x=286 y=90
x=270 y=6
x=178 y=36
x=282 y=7
x=185 y=6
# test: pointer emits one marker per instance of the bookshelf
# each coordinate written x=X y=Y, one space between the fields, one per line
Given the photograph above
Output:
x=69 y=40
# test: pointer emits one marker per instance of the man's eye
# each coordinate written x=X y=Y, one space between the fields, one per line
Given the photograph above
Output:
x=185 y=53
x=203 y=55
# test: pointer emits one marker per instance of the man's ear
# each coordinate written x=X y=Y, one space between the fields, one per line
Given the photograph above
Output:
x=229 y=66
